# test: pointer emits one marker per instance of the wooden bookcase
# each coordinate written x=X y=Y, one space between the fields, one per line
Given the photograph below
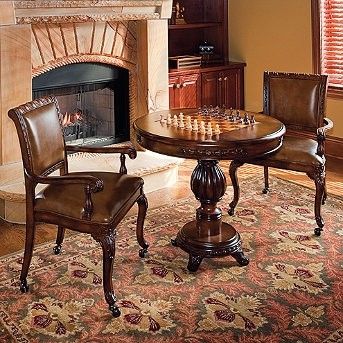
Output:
x=217 y=81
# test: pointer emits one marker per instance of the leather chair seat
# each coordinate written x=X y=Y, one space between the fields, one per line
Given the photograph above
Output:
x=297 y=151
x=117 y=197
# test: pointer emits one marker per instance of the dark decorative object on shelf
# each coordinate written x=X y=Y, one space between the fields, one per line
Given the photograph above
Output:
x=172 y=20
x=205 y=50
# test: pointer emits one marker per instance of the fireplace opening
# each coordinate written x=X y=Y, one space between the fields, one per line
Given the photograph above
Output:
x=93 y=99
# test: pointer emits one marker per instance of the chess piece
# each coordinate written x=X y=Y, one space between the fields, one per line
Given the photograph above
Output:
x=209 y=128
x=217 y=129
x=181 y=123
x=169 y=120
x=175 y=123
x=161 y=118
x=202 y=127
x=246 y=120
x=252 y=119
x=195 y=125
x=188 y=123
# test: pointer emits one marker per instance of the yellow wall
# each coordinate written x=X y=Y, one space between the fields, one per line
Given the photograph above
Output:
x=274 y=35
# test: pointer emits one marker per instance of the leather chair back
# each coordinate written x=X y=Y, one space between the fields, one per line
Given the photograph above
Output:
x=298 y=100
x=40 y=136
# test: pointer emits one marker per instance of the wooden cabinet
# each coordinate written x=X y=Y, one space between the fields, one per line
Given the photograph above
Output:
x=223 y=88
x=217 y=81
x=211 y=85
x=185 y=90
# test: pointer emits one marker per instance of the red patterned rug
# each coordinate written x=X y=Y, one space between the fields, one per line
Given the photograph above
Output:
x=290 y=292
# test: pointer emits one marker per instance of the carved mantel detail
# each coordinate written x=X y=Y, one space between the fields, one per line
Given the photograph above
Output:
x=72 y=11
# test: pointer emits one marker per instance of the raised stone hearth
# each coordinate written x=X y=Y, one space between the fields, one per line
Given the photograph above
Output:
x=37 y=36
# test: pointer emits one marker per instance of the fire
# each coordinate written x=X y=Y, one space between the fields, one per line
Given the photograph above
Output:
x=71 y=118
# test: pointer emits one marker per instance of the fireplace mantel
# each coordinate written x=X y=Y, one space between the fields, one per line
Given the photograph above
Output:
x=37 y=36
x=57 y=11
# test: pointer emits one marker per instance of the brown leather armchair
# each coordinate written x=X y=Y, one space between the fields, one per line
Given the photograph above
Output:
x=298 y=100
x=88 y=202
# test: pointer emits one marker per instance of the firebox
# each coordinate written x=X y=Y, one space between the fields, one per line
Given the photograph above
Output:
x=93 y=99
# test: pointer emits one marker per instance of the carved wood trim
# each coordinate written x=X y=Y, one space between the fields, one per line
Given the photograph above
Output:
x=85 y=3
x=72 y=11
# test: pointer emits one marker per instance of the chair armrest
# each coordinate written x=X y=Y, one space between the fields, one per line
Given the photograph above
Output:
x=93 y=182
x=124 y=148
x=321 y=132
x=92 y=185
x=328 y=125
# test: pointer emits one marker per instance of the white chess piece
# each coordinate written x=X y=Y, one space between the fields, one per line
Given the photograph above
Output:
x=188 y=123
x=202 y=127
x=169 y=120
x=175 y=123
x=217 y=129
x=195 y=125
x=181 y=124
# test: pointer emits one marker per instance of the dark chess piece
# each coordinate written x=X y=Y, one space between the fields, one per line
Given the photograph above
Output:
x=246 y=120
x=252 y=119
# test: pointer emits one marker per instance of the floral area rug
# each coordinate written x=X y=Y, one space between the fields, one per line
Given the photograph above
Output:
x=290 y=292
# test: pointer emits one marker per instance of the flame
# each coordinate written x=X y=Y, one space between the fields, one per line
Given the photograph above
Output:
x=71 y=118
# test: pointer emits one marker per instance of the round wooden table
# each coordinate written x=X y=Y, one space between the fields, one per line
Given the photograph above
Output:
x=208 y=235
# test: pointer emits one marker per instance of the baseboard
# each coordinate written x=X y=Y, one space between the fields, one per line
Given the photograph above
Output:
x=334 y=147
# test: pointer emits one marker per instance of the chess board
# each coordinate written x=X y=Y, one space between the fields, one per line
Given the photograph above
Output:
x=209 y=124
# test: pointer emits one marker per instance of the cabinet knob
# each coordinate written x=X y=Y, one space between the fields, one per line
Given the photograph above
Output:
x=220 y=79
x=177 y=85
x=225 y=78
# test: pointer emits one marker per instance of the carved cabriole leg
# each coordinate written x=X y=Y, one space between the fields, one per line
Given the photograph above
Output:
x=142 y=209
x=59 y=240
x=318 y=175
x=107 y=242
x=266 y=180
x=325 y=195
x=29 y=242
x=234 y=165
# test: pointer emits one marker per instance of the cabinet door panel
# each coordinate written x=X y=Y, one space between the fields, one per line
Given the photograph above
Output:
x=190 y=91
x=184 y=91
x=209 y=88
x=231 y=88
x=174 y=92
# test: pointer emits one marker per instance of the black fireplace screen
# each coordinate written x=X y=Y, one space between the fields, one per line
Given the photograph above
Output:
x=93 y=99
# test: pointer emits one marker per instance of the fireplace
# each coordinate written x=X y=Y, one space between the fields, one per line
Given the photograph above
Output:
x=93 y=99
x=41 y=36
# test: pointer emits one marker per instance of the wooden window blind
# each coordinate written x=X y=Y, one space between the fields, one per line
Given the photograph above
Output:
x=331 y=20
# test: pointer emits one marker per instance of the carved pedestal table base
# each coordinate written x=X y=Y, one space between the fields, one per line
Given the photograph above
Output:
x=208 y=236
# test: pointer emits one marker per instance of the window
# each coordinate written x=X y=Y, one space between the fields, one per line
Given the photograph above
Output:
x=327 y=38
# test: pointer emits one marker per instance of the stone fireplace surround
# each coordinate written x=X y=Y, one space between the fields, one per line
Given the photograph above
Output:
x=37 y=36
